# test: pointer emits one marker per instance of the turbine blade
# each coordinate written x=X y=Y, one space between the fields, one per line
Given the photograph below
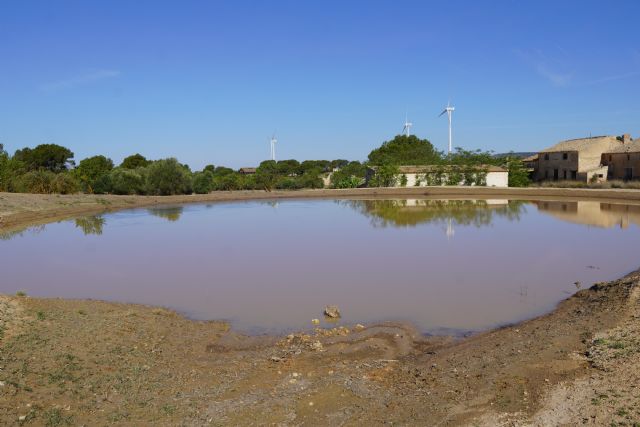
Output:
x=443 y=111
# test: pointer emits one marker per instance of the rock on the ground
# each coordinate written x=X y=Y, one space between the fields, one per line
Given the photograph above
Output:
x=332 y=311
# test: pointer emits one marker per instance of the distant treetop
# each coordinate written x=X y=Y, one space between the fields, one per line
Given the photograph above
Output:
x=135 y=161
x=405 y=150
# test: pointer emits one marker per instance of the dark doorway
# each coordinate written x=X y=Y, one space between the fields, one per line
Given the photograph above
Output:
x=628 y=174
x=555 y=174
x=574 y=174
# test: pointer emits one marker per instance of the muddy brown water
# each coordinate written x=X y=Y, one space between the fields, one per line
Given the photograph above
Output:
x=445 y=266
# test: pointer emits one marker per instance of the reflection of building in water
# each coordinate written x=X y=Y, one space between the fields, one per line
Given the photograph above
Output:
x=450 y=230
x=596 y=214
x=447 y=213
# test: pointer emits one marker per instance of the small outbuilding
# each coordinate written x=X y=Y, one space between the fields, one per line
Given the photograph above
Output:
x=433 y=175
x=247 y=171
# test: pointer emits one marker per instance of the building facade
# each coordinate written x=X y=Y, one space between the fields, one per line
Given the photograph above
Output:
x=577 y=159
x=624 y=162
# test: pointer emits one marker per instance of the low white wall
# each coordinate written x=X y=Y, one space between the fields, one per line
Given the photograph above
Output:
x=494 y=179
x=497 y=179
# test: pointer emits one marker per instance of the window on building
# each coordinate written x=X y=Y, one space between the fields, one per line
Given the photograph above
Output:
x=610 y=157
x=565 y=174
x=628 y=156
x=565 y=156
x=546 y=157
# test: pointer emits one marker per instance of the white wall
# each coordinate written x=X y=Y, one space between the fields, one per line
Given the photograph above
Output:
x=494 y=179
x=497 y=179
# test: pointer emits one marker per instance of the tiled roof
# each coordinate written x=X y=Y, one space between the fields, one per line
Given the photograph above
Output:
x=608 y=143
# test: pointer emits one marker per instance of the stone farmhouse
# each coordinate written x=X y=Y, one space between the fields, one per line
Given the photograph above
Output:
x=623 y=162
x=577 y=159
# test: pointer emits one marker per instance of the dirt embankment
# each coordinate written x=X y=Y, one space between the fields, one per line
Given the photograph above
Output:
x=18 y=210
x=66 y=362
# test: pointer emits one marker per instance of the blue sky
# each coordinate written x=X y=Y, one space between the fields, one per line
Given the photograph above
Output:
x=210 y=81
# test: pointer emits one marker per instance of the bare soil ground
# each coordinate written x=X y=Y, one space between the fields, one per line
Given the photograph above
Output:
x=70 y=362
x=67 y=362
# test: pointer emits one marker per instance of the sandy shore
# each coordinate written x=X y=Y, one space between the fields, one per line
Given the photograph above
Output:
x=70 y=362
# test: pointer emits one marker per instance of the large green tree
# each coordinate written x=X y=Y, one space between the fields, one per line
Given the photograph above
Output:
x=267 y=175
x=52 y=157
x=405 y=150
x=91 y=170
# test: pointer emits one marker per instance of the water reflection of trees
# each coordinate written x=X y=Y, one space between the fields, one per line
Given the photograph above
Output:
x=410 y=213
x=169 y=213
x=91 y=224
x=10 y=234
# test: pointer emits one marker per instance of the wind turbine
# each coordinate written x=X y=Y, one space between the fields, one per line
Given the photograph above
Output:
x=407 y=126
x=449 y=111
x=273 y=141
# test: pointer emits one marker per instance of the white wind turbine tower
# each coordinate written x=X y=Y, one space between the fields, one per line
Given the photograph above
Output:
x=407 y=126
x=273 y=141
x=449 y=111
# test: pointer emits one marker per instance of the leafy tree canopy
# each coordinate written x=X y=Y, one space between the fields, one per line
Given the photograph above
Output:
x=267 y=174
x=221 y=170
x=288 y=167
x=135 y=161
x=91 y=170
x=52 y=157
x=405 y=150
x=167 y=177
x=92 y=167
x=323 y=165
x=476 y=157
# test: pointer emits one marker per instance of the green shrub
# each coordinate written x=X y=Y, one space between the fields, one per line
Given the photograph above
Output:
x=518 y=175
x=126 y=181
x=288 y=183
x=64 y=183
x=348 y=182
x=202 y=182
x=166 y=177
x=102 y=185
x=311 y=179
x=37 y=181
x=386 y=176
x=454 y=177
x=226 y=181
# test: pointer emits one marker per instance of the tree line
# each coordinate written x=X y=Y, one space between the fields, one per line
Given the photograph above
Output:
x=51 y=168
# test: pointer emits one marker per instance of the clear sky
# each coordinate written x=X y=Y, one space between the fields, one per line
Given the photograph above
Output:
x=210 y=81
